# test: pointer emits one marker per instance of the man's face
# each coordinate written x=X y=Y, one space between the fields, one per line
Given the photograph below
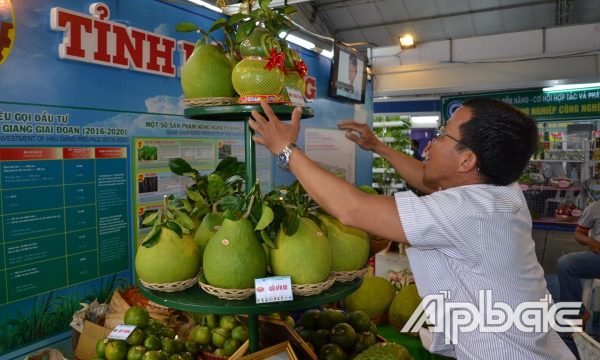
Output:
x=442 y=159
x=352 y=68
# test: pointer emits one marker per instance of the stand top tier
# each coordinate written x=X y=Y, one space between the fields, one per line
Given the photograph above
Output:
x=241 y=112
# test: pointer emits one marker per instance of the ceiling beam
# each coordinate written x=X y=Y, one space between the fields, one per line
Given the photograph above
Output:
x=470 y=12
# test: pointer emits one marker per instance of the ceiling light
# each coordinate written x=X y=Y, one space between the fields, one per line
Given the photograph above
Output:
x=298 y=41
x=422 y=120
x=570 y=87
x=406 y=42
x=206 y=5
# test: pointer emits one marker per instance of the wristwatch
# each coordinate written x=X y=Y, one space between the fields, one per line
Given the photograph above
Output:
x=283 y=159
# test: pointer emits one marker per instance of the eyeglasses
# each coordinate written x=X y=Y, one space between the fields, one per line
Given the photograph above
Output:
x=440 y=132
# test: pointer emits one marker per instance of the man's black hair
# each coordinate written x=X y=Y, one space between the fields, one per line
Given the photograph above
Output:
x=502 y=137
x=353 y=59
x=416 y=142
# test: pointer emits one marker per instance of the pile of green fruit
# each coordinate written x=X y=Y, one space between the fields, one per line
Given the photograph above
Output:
x=336 y=335
x=219 y=335
x=151 y=340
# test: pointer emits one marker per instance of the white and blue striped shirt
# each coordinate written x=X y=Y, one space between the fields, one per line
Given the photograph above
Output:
x=471 y=238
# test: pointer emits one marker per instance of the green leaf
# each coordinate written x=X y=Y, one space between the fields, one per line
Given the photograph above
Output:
x=195 y=196
x=152 y=238
x=225 y=163
x=232 y=203
x=289 y=10
x=243 y=31
x=233 y=180
x=150 y=218
x=179 y=166
x=265 y=219
x=172 y=225
x=290 y=224
x=300 y=211
x=237 y=17
x=186 y=27
x=217 y=24
x=183 y=219
x=232 y=215
x=267 y=239
x=215 y=186
x=264 y=4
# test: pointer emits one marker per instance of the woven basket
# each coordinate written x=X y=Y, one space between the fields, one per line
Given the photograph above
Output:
x=172 y=287
x=228 y=294
x=208 y=356
x=313 y=289
x=345 y=276
x=209 y=101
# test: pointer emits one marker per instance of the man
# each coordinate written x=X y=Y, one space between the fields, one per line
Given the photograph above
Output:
x=414 y=146
x=574 y=267
x=352 y=70
x=474 y=234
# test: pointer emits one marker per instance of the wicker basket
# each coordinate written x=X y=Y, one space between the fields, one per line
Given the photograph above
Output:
x=209 y=101
x=377 y=244
x=172 y=287
x=345 y=276
x=208 y=356
x=313 y=289
x=227 y=294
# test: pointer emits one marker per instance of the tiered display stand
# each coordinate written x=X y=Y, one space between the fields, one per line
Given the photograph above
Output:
x=195 y=299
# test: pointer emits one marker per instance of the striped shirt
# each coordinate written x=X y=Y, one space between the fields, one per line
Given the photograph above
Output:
x=471 y=238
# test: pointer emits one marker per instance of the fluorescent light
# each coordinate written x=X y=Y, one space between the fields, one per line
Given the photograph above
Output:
x=327 y=53
x=423 y=119
x=298 y=41
x=206 y=5
x=570 y=87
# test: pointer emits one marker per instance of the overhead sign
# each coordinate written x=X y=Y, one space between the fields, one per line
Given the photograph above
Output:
x=547 y=106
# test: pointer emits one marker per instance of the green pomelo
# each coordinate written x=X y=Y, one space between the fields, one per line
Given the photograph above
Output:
x=350 y=246
x=207 y=73
x=373 y=297
x=403 y=305
x=171 y=259
x=234 y=257
x=293 y=80
x=251 y=78
x=208 y=227
x=259 y=43
x=305 y=256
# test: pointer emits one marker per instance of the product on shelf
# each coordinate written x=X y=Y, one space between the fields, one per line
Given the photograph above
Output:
x=403 y=306
x=373 y=297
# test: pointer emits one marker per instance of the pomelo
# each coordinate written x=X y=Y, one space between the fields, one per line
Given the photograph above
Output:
x=305 y=256
x=234 y=257
x=207 y=73
x=259 y=43
x=350 y=246
x=210 y=224
x=171 y=259
x=251 y=78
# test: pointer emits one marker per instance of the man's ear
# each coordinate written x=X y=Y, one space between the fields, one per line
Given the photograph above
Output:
x=468 y=161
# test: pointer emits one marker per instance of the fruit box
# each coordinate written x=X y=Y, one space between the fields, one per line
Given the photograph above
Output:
x=393 y=266
x=90 y=335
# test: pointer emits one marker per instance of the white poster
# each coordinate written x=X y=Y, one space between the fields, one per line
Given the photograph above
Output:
x=331 y=150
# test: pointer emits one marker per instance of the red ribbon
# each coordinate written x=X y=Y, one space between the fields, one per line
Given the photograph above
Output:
x=275 y=60
x=301 y=68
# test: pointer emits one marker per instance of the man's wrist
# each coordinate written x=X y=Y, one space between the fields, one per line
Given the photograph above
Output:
x=284 y=156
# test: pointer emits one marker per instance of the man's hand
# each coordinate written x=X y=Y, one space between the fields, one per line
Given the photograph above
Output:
x=276 y=135
x=367 y=140
x=594 y=246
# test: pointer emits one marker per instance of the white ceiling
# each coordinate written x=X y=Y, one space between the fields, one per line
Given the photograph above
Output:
x=381 y=22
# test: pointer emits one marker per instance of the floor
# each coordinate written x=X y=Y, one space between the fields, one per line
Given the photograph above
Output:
x=549 y=246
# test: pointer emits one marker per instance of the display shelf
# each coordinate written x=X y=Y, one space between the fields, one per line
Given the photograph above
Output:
x=536 y=187
x=553 y=220
x=197 y=300
x=241 y=112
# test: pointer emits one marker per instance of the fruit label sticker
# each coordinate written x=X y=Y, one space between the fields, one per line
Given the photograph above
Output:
x=319 y=234
x=524 y=187
x=273 y=289
x=217 y=227
x=563 y=184
x=225 y=242
x=576 y=212
x=295 y=96
x=121 y=332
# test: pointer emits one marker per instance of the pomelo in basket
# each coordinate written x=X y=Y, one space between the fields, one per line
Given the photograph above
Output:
x=350 y=246
x=208 y=227
x=234 y=257
x=305 y=256
x=207 y=73
x=171 y=259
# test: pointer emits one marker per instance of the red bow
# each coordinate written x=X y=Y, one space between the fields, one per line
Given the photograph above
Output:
x=301 y=68
x=275 y=60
